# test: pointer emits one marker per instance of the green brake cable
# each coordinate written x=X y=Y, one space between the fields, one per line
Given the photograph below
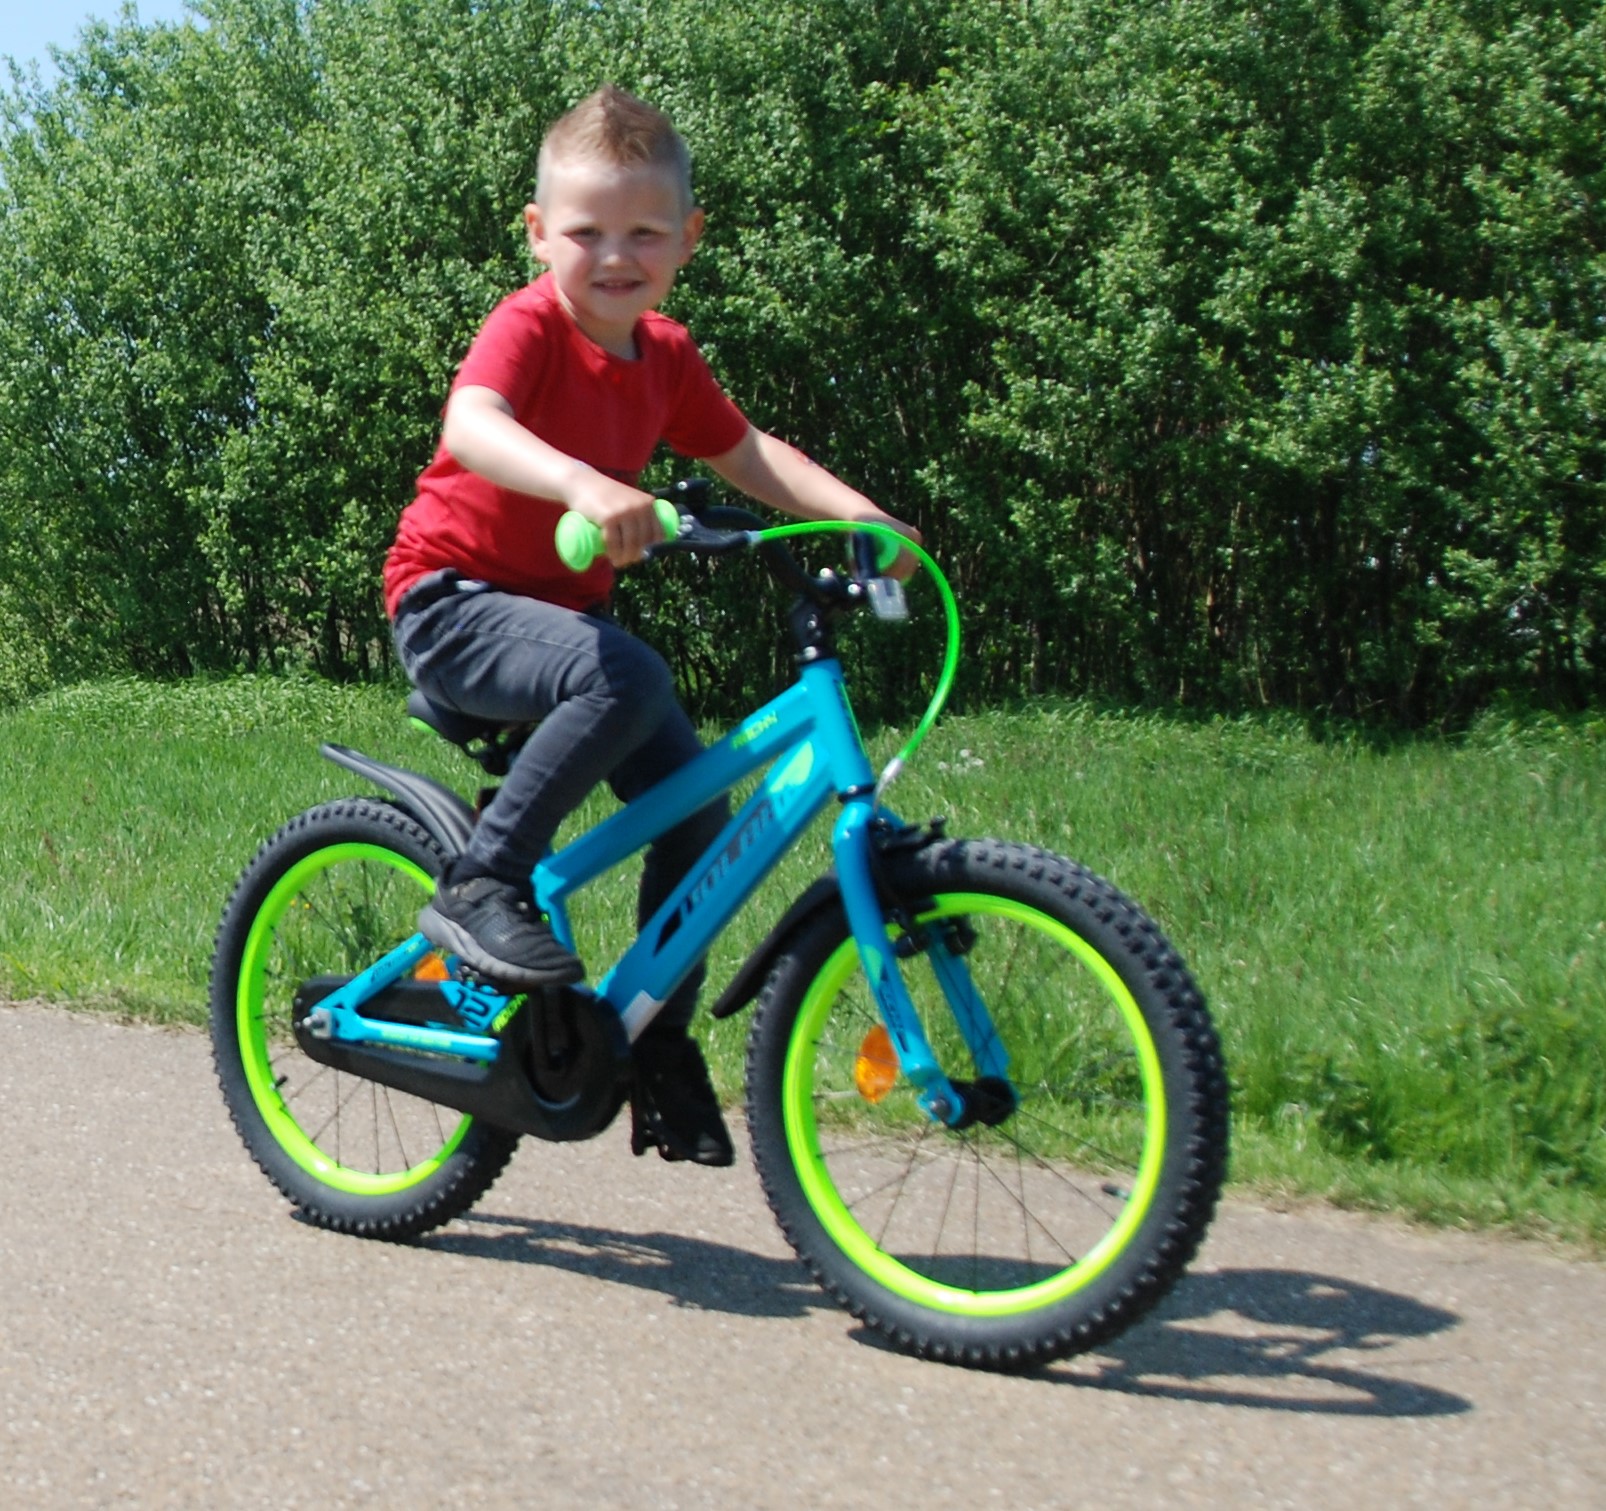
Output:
x=950 y=660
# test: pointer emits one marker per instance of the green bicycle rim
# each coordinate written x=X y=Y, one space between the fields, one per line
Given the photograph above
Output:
x=844 y=1230
x=251 y=1027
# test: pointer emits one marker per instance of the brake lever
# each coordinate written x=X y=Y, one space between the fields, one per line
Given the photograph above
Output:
x=885 y=594
x=694 y=536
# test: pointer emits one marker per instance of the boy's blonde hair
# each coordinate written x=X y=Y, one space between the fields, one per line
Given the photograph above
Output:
x=613 y=127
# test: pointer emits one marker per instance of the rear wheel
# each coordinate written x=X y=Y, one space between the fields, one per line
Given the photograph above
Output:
x=330 y=893
x=1082 y=1187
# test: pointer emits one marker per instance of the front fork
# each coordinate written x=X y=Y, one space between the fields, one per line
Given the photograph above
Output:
x=866 y=913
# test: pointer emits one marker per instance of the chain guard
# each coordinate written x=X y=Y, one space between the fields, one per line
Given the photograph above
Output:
x=562 y=1073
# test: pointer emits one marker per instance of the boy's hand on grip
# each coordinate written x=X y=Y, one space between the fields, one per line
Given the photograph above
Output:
x=626 y=519
x=580 y=540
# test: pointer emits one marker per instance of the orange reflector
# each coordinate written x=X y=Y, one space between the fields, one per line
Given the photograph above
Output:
x=430 y=968
x=875 y=1071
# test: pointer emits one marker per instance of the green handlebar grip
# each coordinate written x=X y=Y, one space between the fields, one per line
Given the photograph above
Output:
x=579 y=541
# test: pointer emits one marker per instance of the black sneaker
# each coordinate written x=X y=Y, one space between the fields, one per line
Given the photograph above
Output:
x=673 y=1105
x=491 y=927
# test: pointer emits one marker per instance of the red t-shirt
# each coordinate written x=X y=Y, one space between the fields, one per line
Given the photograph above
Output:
x=590 y=404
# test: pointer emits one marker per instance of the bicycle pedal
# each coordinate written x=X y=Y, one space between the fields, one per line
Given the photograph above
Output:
x=645 y=1134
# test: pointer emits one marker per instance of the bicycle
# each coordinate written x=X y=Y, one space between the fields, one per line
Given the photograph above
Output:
x=985 y=1099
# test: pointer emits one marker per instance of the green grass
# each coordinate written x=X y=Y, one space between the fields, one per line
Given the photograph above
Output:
x=1404 y=947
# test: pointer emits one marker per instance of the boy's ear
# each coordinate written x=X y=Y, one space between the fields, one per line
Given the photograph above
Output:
x=535 y=230
x=691 y=234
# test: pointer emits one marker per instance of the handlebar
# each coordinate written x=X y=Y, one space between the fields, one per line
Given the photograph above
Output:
x=697 y=526
x=579 y=540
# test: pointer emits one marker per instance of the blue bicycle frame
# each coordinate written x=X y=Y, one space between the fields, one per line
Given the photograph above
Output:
x=808 y=738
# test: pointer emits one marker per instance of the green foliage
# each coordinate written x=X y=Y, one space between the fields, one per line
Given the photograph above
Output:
x=1294 y=339
x=1231 y=355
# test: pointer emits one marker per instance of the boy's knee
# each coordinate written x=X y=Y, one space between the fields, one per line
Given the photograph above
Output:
x=637 y=678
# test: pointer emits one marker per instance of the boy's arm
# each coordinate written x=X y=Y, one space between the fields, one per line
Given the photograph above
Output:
x=779 y=475
x=482 y=434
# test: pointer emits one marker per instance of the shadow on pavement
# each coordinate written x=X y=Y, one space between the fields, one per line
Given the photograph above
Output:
x=1277 y=1340
x=691 y=1272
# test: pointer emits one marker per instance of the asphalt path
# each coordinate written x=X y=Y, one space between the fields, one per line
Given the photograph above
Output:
x=604 y=1331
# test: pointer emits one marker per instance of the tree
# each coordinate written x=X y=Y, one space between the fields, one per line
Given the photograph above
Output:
x=1228 y=353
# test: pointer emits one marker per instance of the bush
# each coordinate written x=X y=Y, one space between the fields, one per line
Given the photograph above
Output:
x=1228 y=355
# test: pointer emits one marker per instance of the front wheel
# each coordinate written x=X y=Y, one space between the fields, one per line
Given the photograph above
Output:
x=329 y=894
x=1073 y=1201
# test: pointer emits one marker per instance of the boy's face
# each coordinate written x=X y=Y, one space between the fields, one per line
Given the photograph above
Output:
x=614 y=239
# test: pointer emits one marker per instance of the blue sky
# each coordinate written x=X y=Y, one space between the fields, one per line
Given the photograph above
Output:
x=28 y=27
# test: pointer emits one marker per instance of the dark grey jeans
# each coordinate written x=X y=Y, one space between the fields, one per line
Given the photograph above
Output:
x=606 y=707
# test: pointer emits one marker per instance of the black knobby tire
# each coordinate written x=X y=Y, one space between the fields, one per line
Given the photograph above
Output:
x=1031 y=1234
x=330 y=893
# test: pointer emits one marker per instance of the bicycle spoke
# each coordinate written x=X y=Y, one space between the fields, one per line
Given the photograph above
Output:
x=340 y=1102
x=898 y=1178
x=395 y=1128
x=947 y=1201
x=1060 y=1176
x=319 y=1074
x=975 y=1225
x=1025 y=1216
x=914 y=1153
x=1115 y=1161
x=1028 y=1216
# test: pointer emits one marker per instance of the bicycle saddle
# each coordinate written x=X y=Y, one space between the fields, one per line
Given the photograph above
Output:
x=491 y=744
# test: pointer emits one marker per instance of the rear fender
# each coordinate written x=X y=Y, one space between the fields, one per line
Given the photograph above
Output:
x=444 y=813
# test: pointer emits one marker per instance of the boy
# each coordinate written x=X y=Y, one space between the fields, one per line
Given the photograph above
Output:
x=560 y=402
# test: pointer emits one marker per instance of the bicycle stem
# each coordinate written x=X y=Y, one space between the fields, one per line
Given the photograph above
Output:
x=950 y=664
